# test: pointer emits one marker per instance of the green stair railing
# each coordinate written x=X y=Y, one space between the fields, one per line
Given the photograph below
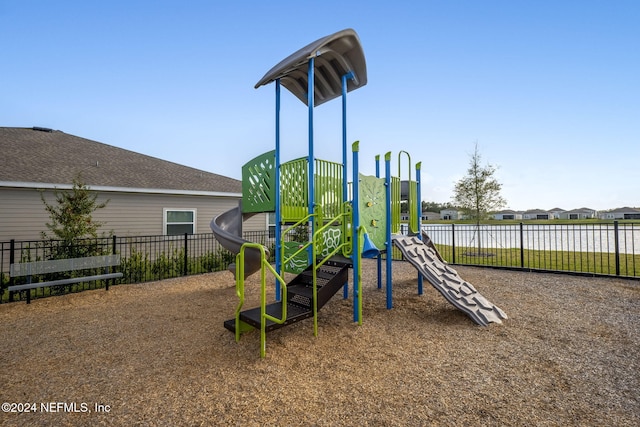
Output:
x=344 y=247
x=264 y=316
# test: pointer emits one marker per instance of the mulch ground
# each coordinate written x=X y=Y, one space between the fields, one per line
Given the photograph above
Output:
x=157 y=354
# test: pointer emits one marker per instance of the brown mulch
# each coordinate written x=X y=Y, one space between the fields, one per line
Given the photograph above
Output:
x=157 y=354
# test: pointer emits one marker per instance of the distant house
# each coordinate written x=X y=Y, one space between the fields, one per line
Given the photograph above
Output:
x=426 y=216
x=621 y=213
x=148 y=196
x=430 y=216
x=507 y=214
x=451 y=214
x=536 y=214
x=581 y=213
x=556 y=213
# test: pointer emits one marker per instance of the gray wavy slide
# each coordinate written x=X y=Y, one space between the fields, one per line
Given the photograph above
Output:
x=227 y=228
x=460 y=293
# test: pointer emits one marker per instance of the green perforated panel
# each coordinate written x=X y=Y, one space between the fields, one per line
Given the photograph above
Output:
x=258 y=184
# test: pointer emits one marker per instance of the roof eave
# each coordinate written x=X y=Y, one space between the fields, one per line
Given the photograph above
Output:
x=51 y=186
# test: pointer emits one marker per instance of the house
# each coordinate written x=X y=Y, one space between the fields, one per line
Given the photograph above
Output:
x=556 y=213
x=621 y=213
x=507 y=214
x=451 y=214
x=430 y=216
x=536 y=214
x=581 y=213
x=426 y=216
x=147 y=195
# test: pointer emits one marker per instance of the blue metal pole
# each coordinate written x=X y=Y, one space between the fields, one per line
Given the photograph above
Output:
x=345 y=77
x=419 y=213
x=388 y=244
x=355 y=253
x=345 y=176
x=311 y=201
x=379 y=256
x=278 y=212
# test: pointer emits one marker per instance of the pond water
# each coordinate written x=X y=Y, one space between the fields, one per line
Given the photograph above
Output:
x=553 y=237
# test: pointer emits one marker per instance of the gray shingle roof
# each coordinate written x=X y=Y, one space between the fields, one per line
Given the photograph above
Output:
x=54 y=157
x=624 y=210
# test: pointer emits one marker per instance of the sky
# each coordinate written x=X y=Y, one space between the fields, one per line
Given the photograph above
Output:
x=548 y=90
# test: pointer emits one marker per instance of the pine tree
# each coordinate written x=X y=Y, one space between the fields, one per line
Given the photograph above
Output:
x=71 y=218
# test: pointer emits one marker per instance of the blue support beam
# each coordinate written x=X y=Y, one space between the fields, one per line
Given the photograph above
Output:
x=355 y=254
x=379 y=256
x=388 y=244
x=345 y=176
x=278 y=212
x=311 y=166
x=419 y=213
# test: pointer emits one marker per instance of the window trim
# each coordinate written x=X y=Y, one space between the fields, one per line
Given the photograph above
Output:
x=165 y=223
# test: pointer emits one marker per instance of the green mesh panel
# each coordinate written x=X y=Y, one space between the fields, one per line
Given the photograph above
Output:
x=328 y=187
x=293 y=190
x=395 y=204
x=259 y=184
x=413 y=206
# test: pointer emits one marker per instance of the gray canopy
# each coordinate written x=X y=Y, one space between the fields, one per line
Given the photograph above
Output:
x=335 y=55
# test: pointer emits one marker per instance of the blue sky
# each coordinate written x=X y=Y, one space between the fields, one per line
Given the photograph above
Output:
x=548 y=89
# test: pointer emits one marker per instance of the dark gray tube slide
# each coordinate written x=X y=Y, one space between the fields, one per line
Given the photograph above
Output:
x=227 y=228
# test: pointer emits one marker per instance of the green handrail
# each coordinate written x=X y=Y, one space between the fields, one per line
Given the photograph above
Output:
x=239 y=289
x=264 y=265
x=347 y=210
x=343 y=246
x=316 y=265
x=361 y=231
x=300 y=249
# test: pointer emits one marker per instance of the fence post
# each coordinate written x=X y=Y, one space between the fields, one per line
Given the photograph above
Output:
x=521 y=246
x=12 y=259
x=617 y=246
x=453 y=243
x=113 y=267
x=186 y=257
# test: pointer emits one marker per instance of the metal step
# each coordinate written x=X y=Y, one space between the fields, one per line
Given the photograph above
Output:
x=330 y=278
x=295 y=313
x=340 y=261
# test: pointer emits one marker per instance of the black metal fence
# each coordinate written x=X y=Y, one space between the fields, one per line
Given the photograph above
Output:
x=611 y=249
x=586 y=248
x=143 y=258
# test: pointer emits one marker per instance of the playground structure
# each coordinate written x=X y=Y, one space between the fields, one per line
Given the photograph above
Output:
x=345 y=221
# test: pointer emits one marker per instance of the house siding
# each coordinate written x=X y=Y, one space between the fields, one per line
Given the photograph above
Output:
x=451 y=214
x=23 y=216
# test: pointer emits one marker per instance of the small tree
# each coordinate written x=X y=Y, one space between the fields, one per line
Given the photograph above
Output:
x=72 y=218
x=478 y=193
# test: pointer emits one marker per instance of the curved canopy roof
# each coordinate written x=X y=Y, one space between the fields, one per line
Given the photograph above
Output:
x=335 y=55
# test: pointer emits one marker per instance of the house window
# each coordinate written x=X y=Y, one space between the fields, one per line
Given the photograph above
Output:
x=271 y=224
x=507 y=216
x=179 y=221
